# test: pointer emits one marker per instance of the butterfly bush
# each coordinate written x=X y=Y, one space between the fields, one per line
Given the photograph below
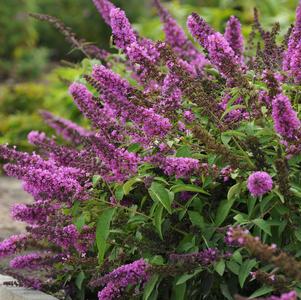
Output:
x=185 y=181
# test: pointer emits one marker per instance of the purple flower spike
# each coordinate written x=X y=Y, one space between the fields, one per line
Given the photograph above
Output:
x=295 y=64
x=177 y=39
x=223 y=57
x=12 y=244
x=122 y=30
x=181 y=167
x=286 y=121
x=67 y=129
x=286 y=296
x=104 y=7
x=234 y=37
x=259 y=183
x=199 y=29
x=293 y=41
x=120 y=278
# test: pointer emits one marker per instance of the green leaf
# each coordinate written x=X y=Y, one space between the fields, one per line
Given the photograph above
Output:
x=184 y=151
x=223 y=211
x=262 y=291
x=134 y=147
x=219 y=267
x=298 y=234
x=128 y=186
x=183 y=278
x=188 y=188
x=102 y=231
x=234 y=190
x=158 y=219
x=149 y=287
x=233 y=267
x=263 y=225
x=178 y=291
x=79 y=280
x=225 y=291
x=160 y=194
x=95 y=180
x=119 y=193
x=196 y=219
x=231 y=108
x=237 y=257
x=245 y=270
x=80 y=222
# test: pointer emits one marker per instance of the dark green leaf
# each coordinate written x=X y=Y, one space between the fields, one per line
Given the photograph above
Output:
x=183 y=278
x=158 y=219
x=79 y=280
x=223 y=211
x=263 y=225
x=262 y=291
x=196 y=219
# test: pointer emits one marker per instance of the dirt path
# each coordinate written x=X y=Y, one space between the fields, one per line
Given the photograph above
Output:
x=10 y=193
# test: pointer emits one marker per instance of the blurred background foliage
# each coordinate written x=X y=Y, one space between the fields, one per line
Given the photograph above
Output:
x=34 y=73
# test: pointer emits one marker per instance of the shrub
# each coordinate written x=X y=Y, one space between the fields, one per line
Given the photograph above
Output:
x=186 y=186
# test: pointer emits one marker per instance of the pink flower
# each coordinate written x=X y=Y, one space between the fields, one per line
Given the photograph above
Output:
x=259 y=183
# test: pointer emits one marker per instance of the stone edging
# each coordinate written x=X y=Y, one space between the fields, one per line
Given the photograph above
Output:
x=20 y=293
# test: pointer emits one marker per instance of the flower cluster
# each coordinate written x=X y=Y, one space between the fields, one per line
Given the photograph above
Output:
x=259 y=183
x=116 y=281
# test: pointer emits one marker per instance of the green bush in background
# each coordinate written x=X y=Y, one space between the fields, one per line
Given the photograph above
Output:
x=20 y=103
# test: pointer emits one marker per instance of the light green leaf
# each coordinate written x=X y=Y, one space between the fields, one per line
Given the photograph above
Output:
x=178 y=291
x=245 y=270
x=234 y=190
x=237 y=257
x=219 y=267
x=102 y=231
x=95 y=180
x=188 y=188
x=119 y=193
x=149 y=287
x=160 y=194
x=80 y=222
x=128 y=186
x=184 y=151
x=134 y=147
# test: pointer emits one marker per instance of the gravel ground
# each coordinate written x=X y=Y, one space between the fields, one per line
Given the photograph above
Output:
x=10 y=193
